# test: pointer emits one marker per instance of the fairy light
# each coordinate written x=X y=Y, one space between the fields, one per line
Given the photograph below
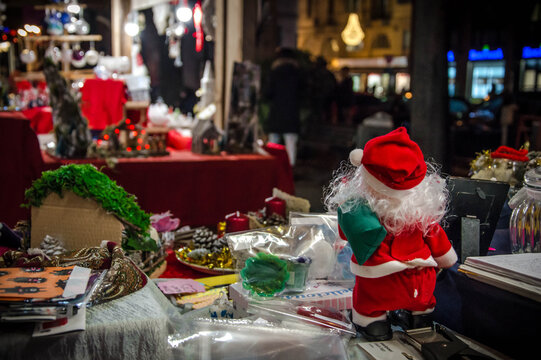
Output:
x=184 y=14
x=73 y=8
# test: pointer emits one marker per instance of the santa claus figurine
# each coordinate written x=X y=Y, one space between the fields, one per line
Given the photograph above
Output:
x=389 y=207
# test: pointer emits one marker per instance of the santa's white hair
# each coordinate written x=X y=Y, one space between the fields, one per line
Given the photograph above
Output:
x=420 y=207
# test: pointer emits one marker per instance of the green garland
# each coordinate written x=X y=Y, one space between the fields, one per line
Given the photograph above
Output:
x=87 y=182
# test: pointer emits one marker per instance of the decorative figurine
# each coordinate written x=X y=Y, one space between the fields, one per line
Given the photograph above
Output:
x=389 y=207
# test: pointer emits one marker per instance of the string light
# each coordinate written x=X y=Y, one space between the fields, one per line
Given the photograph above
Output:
x=353 y=34
x=73 y=8
x=132 y=27
x=184 y=13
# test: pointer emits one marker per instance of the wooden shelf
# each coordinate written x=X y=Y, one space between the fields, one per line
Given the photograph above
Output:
x=64 y=38
x=69 y=75
x=59 y=7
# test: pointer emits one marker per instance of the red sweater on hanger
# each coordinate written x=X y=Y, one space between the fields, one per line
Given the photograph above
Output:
x=102 y=102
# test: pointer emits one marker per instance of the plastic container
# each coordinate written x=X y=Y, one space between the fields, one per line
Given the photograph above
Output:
x=525 y=223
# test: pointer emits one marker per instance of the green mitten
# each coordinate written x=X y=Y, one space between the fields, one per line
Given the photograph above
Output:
x=362 y=229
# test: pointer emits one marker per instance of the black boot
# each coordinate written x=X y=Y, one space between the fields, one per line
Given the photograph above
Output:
x=376 y=331
x=407 y=321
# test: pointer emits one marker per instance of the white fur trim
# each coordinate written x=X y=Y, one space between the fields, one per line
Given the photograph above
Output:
x=390 y=267
x=430 y=262
x=448 y=259
x=377 y=271
x=381 y=188
x=427 y=311
x=355 y=156
x=363 y=320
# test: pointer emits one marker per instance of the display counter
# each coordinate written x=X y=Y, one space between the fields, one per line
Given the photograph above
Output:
x=198 y=189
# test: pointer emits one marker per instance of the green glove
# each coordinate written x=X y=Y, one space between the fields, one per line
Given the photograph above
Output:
x=362 y=229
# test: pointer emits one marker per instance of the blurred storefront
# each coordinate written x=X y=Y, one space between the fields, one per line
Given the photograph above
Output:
x=379 y=61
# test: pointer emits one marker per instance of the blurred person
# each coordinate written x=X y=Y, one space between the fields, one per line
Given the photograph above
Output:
x=507 y=115
x=344 y=95
x=283 y=91
x=323 y=91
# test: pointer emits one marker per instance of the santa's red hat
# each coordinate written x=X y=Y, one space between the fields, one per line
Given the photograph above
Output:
x=391 y=163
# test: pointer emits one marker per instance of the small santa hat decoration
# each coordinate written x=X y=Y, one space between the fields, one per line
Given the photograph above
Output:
x=391 y=162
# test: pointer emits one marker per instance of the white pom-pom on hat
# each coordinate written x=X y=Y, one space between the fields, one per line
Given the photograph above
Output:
x=356 y=156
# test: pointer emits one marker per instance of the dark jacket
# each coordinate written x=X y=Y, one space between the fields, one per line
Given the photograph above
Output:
x=283 y=92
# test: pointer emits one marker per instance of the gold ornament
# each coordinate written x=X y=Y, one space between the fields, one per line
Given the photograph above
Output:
x=221 y=259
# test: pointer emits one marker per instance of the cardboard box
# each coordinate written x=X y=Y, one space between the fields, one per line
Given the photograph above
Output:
x=332 y=295
x=77 y=222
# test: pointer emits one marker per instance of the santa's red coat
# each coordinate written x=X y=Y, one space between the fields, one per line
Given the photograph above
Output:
x=400 y=274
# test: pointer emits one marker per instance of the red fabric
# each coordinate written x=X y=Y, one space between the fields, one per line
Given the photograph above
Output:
x=175 y=269
x=21 y=163
x=395 y=160
x=286 y=172
x=505 y=152
x=198 y=189
x=409 y=290
x=41 y=119
x=177 y=141
x=23 y=85
x=102 y=102
x=409 y=246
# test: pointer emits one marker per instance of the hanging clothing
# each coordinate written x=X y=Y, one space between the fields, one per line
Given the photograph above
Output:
x=102 y=102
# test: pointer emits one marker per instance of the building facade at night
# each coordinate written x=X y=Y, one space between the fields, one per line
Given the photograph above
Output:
x=379 y=64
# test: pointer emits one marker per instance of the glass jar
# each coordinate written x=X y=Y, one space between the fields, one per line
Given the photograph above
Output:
x=525 y=222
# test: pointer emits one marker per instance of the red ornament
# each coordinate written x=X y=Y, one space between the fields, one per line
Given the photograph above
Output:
x=197 y=18
x=236 y=222
x=275 y=205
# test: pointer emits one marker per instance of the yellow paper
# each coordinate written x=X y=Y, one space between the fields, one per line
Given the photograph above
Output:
x=220 y=280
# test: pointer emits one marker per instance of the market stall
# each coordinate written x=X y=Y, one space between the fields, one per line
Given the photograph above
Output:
x=177 y=233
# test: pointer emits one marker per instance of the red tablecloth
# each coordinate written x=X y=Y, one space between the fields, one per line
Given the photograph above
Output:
x=102 y=102
x=198 y=189
x=21 y=163
x=175 y=269
x=41 y=119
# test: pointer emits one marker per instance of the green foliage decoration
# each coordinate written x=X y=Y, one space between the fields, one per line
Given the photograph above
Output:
x=87 y=182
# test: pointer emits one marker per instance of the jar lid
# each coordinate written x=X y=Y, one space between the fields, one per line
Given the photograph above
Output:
x=532 y=178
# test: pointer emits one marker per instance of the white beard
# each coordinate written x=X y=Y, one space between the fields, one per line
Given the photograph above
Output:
x=417 y=208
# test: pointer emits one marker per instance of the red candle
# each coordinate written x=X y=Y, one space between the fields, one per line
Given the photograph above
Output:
x=275 y=205
x=236 y=222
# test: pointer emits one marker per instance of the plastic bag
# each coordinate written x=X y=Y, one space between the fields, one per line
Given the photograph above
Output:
x=329 y=222
x=311 y=241
x=255 y=338
x=311 y=313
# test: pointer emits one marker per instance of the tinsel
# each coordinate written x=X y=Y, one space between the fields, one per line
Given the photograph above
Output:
x=482 y=161
x=216 y=260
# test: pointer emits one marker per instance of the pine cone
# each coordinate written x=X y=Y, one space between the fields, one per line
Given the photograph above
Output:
x=274 y=220
x=204 y=238
x=52 y=246
x=218 y=244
